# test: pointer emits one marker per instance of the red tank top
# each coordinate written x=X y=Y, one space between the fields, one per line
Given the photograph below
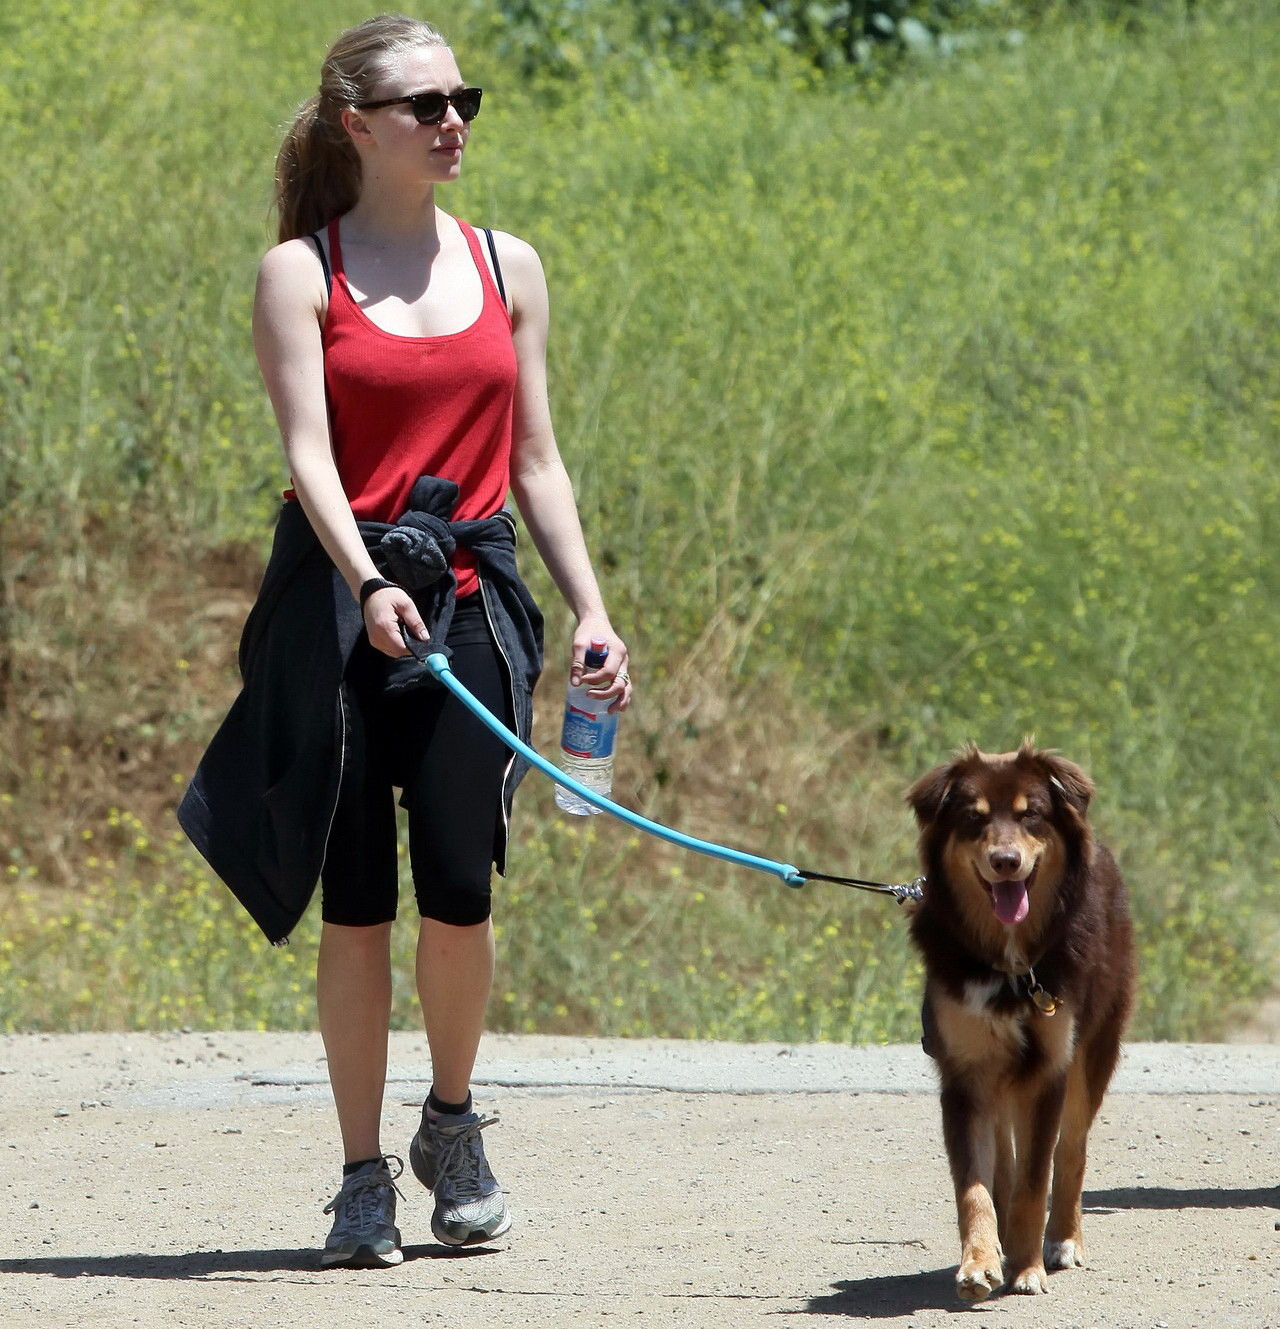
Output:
x=401 y=407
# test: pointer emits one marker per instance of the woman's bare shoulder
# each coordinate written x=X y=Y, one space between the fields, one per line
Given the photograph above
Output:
x=515 y=252
x=290 y=261
x=291 y=281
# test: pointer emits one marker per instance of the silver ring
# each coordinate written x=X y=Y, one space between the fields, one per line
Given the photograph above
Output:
x=624 y=678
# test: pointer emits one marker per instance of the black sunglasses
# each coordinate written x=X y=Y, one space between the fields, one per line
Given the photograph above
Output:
x=429 y=108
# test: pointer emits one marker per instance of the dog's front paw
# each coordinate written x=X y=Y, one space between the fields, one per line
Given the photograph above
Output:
x=1031 y=1280
x=1067 y=1254
x=979 y=1276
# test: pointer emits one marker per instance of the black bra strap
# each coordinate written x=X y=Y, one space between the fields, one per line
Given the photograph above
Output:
x=488 y=235
x=324 y=263
x=497 y=267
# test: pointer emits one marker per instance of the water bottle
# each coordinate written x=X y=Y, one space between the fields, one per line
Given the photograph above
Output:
x=586 y=741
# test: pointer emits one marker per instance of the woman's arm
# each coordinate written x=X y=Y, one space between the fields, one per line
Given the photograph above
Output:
x=288 y=310
x=541 y=484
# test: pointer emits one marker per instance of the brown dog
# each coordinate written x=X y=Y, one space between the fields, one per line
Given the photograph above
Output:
x=1028 y=953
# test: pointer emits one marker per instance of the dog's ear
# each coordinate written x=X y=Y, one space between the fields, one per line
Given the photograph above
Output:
x=1069 y=783
x=929 y=794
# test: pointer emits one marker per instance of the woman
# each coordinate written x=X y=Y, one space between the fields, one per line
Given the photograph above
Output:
x=395 y=345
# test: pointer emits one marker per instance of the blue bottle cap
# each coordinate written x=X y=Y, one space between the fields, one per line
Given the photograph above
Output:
x=597 y=654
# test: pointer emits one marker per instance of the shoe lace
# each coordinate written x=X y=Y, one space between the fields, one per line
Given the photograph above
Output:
x=361 y=1197
x=460 y=1160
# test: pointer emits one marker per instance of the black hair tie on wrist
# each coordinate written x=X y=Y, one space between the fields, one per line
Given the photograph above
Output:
x=375 y=584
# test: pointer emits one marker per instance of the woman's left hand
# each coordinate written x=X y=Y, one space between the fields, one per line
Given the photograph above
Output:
x=611 y=679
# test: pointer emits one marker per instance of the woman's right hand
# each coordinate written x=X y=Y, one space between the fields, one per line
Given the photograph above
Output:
x=384 y=611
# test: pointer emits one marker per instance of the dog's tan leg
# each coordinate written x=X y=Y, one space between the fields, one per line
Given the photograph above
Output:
x=1090 y=1073
x=1064 y=1241
x=1037 y=1116
x=969 y=1132
x=1002 y=1190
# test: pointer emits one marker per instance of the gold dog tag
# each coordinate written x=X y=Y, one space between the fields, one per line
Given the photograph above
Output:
x=1046 y=1002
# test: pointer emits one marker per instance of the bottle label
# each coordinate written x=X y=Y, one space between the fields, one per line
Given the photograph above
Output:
x=587 y=735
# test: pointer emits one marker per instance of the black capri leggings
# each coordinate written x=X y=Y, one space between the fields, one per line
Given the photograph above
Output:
x=449 y=768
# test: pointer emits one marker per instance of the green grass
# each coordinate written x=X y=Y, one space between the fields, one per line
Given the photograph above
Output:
x=896 y=420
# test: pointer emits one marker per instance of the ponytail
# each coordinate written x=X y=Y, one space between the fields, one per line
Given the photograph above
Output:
x=317 y=168
x=317 y=173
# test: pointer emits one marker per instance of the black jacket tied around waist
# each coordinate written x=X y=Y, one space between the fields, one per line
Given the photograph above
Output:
x=261 y=801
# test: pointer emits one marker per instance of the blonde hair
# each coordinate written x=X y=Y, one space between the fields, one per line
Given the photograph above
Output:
x=317 y=168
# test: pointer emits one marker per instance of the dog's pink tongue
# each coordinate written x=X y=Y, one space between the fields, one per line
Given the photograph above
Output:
x=1011 y=901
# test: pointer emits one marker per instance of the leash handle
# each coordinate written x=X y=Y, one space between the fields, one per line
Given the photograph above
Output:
x=438 y=664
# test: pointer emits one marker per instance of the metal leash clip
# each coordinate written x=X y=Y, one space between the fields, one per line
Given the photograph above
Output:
x=913 y=890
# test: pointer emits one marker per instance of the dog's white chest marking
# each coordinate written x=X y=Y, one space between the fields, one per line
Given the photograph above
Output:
x=1014 y=960
x=978 y=996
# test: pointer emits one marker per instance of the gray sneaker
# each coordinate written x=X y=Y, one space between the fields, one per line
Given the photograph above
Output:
x=447 y=1157
x=364 y=1234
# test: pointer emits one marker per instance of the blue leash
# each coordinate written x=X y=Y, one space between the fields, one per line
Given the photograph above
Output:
x=438 y=663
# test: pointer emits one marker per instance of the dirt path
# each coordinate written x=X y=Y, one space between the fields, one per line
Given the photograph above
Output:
x=177 y=1180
